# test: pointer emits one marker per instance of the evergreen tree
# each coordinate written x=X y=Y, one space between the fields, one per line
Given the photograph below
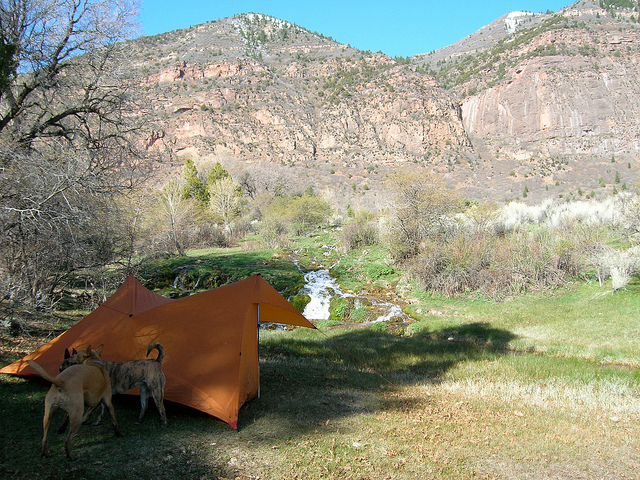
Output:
x=8 y=65
x=217 y=173
x=194 y=187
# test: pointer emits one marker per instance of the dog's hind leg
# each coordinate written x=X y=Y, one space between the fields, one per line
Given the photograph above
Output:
x=75 y=421
x=100 y=414
x=65 y=421
x=63 y=425
x=114 y=422
x=90 y=410
x=49 y=412
x=157 y=398
x=144 y=401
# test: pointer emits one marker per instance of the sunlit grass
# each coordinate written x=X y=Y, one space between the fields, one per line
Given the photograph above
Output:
x=366 y=268
x=542 y=386
x=584 y=320
x=615 y=395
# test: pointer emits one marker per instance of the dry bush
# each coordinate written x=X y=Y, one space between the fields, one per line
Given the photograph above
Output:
x=208 y=235
x=507 y=251
x=361 y=231
x=609 y=212
x=273 y=233
x=621 y=266
x=420 y=208
x=495 y=266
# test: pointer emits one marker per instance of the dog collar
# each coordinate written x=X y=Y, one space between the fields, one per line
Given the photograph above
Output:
x=97 y=361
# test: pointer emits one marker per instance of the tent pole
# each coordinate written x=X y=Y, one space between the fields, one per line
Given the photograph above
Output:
x=258 y=333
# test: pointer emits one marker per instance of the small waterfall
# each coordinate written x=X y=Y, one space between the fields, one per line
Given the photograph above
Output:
x=322 y=287
x=182 y=279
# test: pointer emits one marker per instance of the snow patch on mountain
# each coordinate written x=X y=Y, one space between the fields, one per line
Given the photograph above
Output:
x=513 y=20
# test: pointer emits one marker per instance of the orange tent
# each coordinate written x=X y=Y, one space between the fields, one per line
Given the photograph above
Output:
x=210 y=340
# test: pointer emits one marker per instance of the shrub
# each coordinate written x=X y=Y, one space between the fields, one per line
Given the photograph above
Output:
x=338 y=308
x=361 y=232
x=421 y=208
x=621 y=266
x=492 y=265
x=523 y=248
x=273 y=233
x=299 y=215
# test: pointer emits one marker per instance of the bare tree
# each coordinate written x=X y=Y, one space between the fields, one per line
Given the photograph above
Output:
x=57 y=54
x=65 y=138
x=420 y=207
x=225 y=200
x=177 y=210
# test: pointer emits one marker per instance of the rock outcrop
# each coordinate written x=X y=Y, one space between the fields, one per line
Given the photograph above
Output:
x=546 y=104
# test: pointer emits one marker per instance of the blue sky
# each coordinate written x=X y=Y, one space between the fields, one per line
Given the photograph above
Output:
x=400 y=28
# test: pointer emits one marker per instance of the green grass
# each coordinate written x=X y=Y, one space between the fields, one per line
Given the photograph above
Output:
x=365 y=269
x=315 y=251
x=542 y=386
x=585 y=321
x=205 y=269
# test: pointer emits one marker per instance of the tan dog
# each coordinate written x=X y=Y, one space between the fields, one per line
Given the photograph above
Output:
x=84 y=384
x=125 y=375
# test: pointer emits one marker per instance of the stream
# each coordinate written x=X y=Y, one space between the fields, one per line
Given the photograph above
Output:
x=322 y=287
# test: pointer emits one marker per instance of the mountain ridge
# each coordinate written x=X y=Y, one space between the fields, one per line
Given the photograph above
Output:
x=252 y=91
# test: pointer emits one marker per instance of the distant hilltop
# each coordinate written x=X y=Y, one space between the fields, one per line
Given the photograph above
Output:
x=547 y=102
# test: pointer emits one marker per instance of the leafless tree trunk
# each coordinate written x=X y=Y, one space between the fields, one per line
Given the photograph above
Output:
x=65 y=139
x=178 y=210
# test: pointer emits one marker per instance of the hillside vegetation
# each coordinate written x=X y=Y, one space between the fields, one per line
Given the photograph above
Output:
x=251 y=125
x=545 y=385
x=488 y=189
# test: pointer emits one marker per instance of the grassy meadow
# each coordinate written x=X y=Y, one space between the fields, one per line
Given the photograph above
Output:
x=543 y=386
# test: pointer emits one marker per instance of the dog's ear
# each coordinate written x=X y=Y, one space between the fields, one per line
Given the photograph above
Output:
x=74 y=352
x=88 y=350
x=66 y=354
x=99 y=349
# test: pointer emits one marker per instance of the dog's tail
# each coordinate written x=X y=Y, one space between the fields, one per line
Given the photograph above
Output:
x=158 y=346
x=45 y=375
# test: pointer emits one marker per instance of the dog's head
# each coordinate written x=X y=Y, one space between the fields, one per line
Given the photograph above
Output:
x=69 y=359
x=78 y=358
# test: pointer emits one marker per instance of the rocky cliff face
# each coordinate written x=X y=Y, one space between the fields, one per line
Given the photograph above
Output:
x=253 y=89
x=555 y=103
x=533 y=105
x=568 y=102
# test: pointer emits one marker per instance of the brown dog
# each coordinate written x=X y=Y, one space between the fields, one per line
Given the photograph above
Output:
x=125 y=375
x=84 y=384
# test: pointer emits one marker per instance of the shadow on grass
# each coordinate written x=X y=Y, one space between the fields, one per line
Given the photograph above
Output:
x=186 y=449
x=310 y=382
x=315 y=380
